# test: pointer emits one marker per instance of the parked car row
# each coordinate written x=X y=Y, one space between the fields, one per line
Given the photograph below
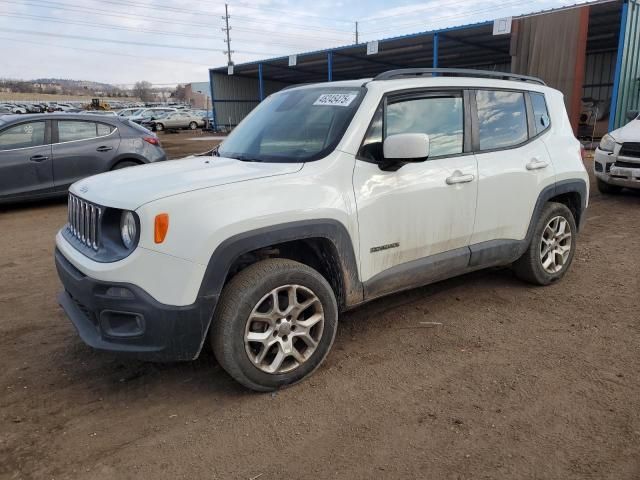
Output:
x=42 y=154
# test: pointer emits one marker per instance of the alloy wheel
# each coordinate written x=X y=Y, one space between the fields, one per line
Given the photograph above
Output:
x=555 y=244
x=284 y=329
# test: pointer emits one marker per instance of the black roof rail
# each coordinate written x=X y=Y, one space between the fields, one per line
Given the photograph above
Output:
x=460 y=72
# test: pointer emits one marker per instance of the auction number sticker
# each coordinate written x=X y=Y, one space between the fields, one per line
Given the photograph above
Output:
x=336 y=99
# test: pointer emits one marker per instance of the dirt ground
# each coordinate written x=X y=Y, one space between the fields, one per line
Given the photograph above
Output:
x=476 y=377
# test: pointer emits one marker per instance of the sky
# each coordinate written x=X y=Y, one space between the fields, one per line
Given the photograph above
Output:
x=175 y=41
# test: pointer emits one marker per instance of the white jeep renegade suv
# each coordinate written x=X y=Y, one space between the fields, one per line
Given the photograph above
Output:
x=325 y=197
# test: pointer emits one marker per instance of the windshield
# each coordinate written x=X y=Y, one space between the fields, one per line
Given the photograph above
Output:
x=294 y=126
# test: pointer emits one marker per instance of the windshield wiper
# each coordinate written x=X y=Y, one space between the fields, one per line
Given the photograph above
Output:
x=246 y=158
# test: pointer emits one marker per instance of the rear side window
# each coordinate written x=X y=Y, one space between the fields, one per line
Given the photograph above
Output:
x=24 y=135
x=72 y=130
x=540 y=112
x=502 y=119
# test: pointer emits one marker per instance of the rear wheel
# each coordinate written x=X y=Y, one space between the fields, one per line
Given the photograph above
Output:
x=552 y=247
x=125 y=164
x=274 y=324
x=607 y=188
x=193 y=125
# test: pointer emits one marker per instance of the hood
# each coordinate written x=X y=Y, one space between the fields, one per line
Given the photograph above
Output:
x=130 y=188
x=629 y=133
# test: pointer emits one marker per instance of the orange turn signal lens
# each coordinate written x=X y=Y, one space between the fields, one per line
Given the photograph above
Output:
x=161 y=227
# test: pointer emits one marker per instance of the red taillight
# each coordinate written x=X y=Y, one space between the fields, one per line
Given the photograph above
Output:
x=151 y=140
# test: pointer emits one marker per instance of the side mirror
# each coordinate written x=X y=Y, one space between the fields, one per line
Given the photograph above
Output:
x=406 y=147
x=632 y=114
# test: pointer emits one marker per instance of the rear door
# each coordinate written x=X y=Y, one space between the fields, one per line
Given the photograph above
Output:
x=26 y=166
x=513 y=163
x=82 y=148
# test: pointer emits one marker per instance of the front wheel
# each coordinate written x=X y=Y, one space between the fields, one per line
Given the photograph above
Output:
x=193 y=125
x=159 y=127
x=552 y=247
x=275 y=324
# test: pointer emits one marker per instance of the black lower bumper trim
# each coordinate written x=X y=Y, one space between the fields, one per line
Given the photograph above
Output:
x=147 y=329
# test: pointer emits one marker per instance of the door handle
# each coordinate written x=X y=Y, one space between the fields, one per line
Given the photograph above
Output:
x=104 y=148
x=536 y=164
x=458 y=177
x=39 y=158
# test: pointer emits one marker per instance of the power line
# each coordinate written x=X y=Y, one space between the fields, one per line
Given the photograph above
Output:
x=298 y=26
x=106 y=27
x=447 y=17
x=54 y=5
x=122 y=42
x=290 y=13
x=67 y=7
x=82 y=49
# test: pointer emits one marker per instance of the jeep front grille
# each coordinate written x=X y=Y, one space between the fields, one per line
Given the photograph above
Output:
x=84 y=221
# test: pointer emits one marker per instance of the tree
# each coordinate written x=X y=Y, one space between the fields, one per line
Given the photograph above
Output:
x=179 y=93
x=142 y=90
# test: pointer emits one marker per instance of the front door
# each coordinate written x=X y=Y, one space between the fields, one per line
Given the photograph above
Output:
x=423 y=210
x=25 y=160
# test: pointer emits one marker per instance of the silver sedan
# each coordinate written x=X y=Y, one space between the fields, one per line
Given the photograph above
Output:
x=178 y=120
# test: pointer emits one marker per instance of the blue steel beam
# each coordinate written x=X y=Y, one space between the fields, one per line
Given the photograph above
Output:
x=260 y=82
x=617 y=77
x=330 y=66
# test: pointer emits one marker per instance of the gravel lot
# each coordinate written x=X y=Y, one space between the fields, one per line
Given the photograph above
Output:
x=476 y=377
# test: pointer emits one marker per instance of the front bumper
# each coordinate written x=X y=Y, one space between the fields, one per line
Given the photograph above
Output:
x=616 y=170
x=121 y=317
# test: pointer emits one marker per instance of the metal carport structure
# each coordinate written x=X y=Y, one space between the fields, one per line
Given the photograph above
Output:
x=606 y=60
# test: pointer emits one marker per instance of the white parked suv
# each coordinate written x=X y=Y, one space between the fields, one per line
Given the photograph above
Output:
x=325 y=197
x=617 y=159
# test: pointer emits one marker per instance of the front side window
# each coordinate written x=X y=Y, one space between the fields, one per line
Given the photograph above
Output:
x=502 y=119
x=439 y=116
x=442 y=118
x=72 y=130
x=540 y=113
x=24 y=135
x=297 y=125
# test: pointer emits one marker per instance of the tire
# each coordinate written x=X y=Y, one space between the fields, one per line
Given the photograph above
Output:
x=248 y=294
x=159 y=127
x=125 y=164
x=607 y=188
x=193 y=125
x=530 y=267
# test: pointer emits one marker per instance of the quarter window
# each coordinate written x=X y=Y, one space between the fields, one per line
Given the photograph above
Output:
x=502 y=119
x=540 y=113
x=24 y=135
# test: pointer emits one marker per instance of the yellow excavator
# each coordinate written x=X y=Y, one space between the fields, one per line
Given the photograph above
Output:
x=97 y=104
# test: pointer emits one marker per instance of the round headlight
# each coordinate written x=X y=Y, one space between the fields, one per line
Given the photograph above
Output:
x=128 y=229
x=608 y=143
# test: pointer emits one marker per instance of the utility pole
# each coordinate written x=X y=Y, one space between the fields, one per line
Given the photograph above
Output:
x=227 y=29
x=357 y=33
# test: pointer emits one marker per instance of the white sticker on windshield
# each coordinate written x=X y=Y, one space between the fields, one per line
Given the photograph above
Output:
x=336 y=99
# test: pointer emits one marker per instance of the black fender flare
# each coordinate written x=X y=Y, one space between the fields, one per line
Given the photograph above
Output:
x=505 y=251
x=229 y=250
